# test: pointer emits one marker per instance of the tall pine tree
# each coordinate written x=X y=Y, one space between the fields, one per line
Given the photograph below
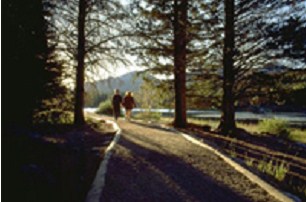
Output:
x=24 y=57
x=227 y=122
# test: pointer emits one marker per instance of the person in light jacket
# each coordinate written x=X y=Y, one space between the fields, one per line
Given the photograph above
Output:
x=128 y=103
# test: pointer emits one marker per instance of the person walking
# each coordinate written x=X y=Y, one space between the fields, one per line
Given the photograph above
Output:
x=129 y=104
x=117 y=100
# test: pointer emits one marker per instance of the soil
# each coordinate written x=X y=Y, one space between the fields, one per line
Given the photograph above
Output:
x=53 y=163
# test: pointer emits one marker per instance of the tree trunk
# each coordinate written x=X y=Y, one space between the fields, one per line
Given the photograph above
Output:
x=227 y=122
x=80 y=72
x=180 y=43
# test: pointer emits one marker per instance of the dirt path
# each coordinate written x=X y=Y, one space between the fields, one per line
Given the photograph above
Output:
x=151 y=164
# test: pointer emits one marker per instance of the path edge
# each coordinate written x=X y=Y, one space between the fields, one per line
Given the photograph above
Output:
x=251 y=176
x=98 y=184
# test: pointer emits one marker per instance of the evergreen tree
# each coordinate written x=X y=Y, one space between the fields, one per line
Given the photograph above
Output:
x=180 y=47
x=79 y=118
x=91 y=39
x=56 y=103
x=170 y=42
x=24 y=57
x=288 y=39
x=261 y=48
x=227 y=122
x=252 y=20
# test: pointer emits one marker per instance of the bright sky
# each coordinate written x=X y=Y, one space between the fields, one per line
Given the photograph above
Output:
x=119 y=70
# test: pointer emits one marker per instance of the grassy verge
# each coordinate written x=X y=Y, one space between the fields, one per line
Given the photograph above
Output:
x=296 y=134
x=277 y=158
x=148 y=116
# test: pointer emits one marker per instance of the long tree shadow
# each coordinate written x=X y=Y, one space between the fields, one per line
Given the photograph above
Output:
x=154 y=127
x=178 y=180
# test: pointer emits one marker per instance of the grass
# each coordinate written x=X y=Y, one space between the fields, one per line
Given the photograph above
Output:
x=296 y=134
x=277 y=127
x=54 y=117
x=275 y=168
x=249 y=162
x=212 y=123
x=281 y=171
x=105 y=107
x=148 y=116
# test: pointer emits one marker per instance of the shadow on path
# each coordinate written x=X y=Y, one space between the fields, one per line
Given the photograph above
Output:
x=138 y=173
x=154 y=127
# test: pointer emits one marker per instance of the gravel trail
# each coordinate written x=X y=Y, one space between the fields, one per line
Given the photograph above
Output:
x=150 y=164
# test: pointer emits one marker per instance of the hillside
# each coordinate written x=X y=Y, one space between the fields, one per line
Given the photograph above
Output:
x=99 y=90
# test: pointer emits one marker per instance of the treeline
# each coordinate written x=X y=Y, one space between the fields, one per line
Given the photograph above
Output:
x=94 y=99
x=213 y=52
x=217 y=60
x=285 y=86
x=32 y=74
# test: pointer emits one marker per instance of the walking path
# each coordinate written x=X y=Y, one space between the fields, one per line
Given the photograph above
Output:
x=150 y=164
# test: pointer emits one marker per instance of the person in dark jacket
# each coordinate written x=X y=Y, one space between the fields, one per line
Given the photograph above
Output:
x=117 y=100
x=129 y=104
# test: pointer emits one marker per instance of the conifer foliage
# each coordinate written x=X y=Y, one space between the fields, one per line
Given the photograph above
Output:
x=90 y=35
x=25 y=59
x=170 y=41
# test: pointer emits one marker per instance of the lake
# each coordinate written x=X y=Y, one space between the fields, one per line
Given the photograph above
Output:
x=292 y=117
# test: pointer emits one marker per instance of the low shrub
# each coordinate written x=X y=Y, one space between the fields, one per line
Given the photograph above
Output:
x=54 y=116
x=249 y=162
x=277 y=127
x=105 y=108
x=298 y=135
x=276 y=169
x=281 y=171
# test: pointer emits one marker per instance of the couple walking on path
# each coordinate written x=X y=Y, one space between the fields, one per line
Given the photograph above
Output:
x=127 y=102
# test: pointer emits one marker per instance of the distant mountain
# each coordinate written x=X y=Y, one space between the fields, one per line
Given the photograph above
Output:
x=127 y=82
x=99 y=91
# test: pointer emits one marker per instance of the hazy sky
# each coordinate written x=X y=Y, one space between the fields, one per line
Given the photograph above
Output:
x=118 y=70
x=121 y=69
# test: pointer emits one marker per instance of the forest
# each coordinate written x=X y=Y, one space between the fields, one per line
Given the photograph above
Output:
x=201 y=54
x=66 y=43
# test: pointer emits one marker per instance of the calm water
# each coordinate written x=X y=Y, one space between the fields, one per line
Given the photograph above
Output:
x=293 y=117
